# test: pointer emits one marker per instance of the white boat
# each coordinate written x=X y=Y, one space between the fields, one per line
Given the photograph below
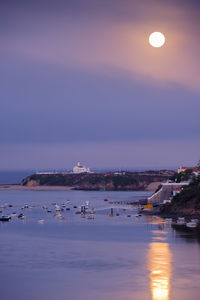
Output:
x=13 y=215
x=5 y=218
x=41 y=221
x=57 y=207
x=168 y=220
x=192 y=224
x=181 y=221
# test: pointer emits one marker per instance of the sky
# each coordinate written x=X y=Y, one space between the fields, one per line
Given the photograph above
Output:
x=80 y=82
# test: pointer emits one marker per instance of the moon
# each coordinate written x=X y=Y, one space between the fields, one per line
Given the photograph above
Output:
x=156 y=39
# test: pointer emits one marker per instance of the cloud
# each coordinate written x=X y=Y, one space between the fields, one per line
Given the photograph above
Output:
x=101 y=42
x=143 y=154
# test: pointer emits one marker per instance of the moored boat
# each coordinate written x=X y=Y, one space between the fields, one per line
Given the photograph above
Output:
x=5 y=218
x=193 y=223
x=181 y=221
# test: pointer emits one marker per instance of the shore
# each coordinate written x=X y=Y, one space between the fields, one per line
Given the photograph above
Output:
x=33 y=188
x=150 y=188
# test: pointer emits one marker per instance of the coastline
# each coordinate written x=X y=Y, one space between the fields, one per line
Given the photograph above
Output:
x=3 y=187
x=20 y=187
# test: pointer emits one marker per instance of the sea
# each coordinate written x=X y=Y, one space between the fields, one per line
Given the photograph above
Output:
x=113 y=254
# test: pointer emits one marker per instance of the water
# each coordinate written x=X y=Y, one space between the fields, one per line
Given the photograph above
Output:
x=14 y=177
x=111 y=258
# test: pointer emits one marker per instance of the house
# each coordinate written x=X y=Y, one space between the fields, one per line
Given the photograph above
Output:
x=80 y=169
x=176 y=191
x=195 y=170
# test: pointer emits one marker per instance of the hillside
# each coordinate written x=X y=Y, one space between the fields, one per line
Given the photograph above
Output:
x=97 y=181
x=188 y=201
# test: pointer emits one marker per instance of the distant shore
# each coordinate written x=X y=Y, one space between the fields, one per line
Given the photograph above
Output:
x=3 y=187
x=20 y=187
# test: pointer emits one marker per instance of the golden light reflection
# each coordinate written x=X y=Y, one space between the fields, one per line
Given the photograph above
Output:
x=160 y=270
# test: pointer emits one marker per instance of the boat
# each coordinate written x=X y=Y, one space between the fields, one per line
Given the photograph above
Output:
x=168 y=220
x=13 y=215
x=20 y=216
x=41 y=221
x=193 y=223
x=181 y=221
x=5 y=218
x=57 y=207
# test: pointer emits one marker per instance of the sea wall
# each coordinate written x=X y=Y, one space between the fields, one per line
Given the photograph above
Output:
x=165 y=192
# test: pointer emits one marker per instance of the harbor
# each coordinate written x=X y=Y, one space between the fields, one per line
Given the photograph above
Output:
x=65 y=233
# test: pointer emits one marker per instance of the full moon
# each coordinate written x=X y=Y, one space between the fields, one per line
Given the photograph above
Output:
x=156 y=39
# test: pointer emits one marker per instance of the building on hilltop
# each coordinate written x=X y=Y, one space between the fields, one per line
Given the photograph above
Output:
x=81 y=169
x=195 y=170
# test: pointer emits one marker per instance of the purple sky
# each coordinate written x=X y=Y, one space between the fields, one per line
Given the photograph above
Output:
x=80 y=82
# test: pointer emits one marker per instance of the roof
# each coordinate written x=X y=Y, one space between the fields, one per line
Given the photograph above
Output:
x=190 y=168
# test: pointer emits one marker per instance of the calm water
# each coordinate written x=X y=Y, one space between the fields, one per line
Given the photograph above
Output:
x=76 y=258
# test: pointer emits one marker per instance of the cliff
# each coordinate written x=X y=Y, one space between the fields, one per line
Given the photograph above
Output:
x=187 y=202
x=125 y=181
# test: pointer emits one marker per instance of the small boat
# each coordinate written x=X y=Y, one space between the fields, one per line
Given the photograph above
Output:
x=181 y=221
x=74 y=206
x=41 y=221
x=67 y=208
x=138 y=215
x=128 y=216
x=192 y=224
x=5 y=218
x=168 y=220
x=13 y=215
x=49 y=210
x=59 y=216
x=105 y=199
x=117 y=214
x=20 y=216
x=57 y=207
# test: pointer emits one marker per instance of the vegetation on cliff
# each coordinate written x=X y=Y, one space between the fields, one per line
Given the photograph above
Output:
x=183 y=176
x=188 y=200
x=97 y=181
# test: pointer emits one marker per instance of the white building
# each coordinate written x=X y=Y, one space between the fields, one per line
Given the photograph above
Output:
x=80 y=169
